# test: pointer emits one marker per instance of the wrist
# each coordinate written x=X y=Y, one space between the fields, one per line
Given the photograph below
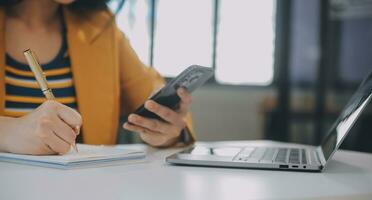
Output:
x=7 y=129
x=171 y=142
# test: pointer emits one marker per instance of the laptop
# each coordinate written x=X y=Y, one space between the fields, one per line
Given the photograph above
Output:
x=288 y=157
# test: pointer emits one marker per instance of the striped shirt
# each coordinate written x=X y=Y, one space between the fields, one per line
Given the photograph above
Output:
x=23 y=93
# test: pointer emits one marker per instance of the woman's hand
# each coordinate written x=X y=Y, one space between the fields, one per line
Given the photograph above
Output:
x=161 y=133
x=49 y=129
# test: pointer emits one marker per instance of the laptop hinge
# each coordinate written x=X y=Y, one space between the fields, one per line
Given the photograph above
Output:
x=319 y=153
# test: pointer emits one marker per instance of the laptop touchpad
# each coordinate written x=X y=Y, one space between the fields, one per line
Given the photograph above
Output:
x=213 y=153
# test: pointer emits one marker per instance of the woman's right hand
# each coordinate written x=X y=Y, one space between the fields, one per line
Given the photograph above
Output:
x=49 y=129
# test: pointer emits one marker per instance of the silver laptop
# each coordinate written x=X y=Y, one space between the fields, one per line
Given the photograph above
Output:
x=288 y=157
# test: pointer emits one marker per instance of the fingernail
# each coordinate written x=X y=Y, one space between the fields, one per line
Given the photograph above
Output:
x=150 y=105
x=77 y=129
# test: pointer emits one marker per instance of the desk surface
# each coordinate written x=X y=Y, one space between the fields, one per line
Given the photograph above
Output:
x=348 y=176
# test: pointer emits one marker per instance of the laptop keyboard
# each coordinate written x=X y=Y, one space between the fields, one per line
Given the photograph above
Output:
x=272 y=155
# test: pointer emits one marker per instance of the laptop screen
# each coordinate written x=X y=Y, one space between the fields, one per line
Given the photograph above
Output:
x=348 y=117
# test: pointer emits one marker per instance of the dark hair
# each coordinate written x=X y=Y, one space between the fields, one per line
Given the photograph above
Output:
x=80 y=7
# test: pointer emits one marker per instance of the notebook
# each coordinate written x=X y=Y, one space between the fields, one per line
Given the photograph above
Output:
x=88 y=156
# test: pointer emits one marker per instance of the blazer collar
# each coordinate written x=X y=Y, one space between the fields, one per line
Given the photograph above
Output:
x=88 y=28
x=91 y=47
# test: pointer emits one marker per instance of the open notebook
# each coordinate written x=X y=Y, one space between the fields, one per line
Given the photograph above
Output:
x=88 y=156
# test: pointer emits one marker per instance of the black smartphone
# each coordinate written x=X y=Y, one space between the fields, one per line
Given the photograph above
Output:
x=190 y=79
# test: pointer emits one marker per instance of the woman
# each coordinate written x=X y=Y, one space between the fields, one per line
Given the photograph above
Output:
x=91 y=68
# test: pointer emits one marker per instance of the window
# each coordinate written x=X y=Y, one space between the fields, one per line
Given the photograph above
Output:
x=134 y=20
x=184 y=34
x=245 y=42
x=304 y=50
x=355 y=59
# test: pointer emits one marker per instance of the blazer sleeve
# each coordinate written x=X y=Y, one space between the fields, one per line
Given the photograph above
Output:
x=137 y=82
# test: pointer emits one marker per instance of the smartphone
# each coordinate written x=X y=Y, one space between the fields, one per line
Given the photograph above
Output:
x=191 y=78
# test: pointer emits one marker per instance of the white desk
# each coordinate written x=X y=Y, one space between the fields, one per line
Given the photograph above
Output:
x=348 y=176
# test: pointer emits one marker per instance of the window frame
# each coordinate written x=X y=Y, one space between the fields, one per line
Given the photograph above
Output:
x=212 y=81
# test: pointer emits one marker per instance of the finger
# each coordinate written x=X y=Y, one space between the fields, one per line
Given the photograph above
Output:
x=55 y=143
x=64 y=131
x=43 y=149
x=153 y=138
x=70 y=116
x=138 y=129
x=164 y=112
x=46 y=150
x=77 y=130
x=152 y=124
x=186 y=100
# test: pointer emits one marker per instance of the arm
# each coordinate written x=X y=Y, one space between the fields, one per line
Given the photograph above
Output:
x=138 y=82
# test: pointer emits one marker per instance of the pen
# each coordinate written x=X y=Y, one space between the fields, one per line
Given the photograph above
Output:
x=40 y=78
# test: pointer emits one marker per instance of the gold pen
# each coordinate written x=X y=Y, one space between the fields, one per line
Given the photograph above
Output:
x=40 y=78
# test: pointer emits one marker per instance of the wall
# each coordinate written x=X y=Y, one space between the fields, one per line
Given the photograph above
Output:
x=227 y=113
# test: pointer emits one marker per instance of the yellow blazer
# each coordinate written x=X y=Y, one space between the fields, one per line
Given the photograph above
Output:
x=108 y=75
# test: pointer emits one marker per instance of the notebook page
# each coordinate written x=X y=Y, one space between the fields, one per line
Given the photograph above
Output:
x=86 y=153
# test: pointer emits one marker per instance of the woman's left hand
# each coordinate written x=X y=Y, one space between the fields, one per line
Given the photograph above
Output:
x=161 y=133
